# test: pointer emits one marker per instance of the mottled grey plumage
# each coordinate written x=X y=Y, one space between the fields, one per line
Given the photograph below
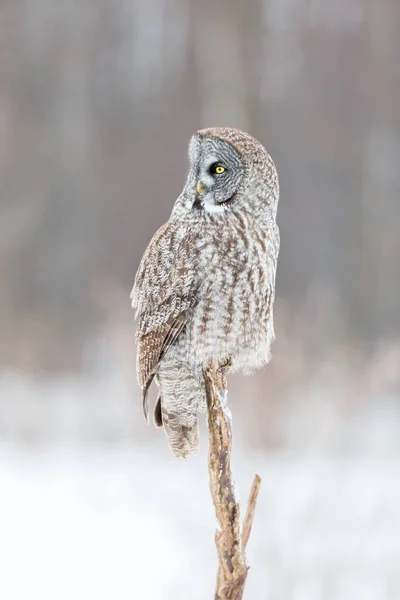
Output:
x=206 y=284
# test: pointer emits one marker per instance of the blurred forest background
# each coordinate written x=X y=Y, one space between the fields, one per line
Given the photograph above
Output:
x=98 y=101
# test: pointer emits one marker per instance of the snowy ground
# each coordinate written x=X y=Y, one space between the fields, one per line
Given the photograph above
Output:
x=116 y=522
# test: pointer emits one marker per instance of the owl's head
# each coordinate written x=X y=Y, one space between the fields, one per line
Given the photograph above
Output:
x=230 y=170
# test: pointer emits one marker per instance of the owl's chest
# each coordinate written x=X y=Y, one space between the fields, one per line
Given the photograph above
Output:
x=233 y=289
x=233 y=260
x=225 y=248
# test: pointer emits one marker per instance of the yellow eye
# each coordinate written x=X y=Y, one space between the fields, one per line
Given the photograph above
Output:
x=219 y=169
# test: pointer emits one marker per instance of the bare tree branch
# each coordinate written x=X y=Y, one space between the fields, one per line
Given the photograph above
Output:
x=251 y=507
x=232 y=570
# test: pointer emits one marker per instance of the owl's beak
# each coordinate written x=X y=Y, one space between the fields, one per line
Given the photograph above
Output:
x=199 y=187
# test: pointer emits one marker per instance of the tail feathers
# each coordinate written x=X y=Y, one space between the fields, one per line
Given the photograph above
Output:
x=145 y=400
x=182 y=398
x=158 y=421
x=183 y=439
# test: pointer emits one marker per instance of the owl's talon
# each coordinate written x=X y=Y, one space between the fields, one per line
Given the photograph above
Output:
x=227 y=366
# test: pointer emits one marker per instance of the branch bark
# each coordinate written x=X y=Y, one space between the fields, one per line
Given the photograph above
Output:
x=231 y=543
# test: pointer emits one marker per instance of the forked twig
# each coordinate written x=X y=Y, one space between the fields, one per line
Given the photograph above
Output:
x=251 y=508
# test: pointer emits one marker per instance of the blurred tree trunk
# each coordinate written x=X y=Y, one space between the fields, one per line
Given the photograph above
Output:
x=219 y=57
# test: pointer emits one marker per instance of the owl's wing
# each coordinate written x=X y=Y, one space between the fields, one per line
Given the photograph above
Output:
x=162 y=294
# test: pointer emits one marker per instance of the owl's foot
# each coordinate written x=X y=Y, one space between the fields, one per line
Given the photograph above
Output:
x=226 y=367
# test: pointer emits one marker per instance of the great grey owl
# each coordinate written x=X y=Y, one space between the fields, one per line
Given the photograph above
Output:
x=205 y=287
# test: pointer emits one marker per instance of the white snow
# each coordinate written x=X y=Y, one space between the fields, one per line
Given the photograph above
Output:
x=121 y=522
x=93 y=506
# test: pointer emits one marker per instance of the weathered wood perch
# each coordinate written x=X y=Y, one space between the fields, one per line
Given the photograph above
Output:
x=230 y=538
